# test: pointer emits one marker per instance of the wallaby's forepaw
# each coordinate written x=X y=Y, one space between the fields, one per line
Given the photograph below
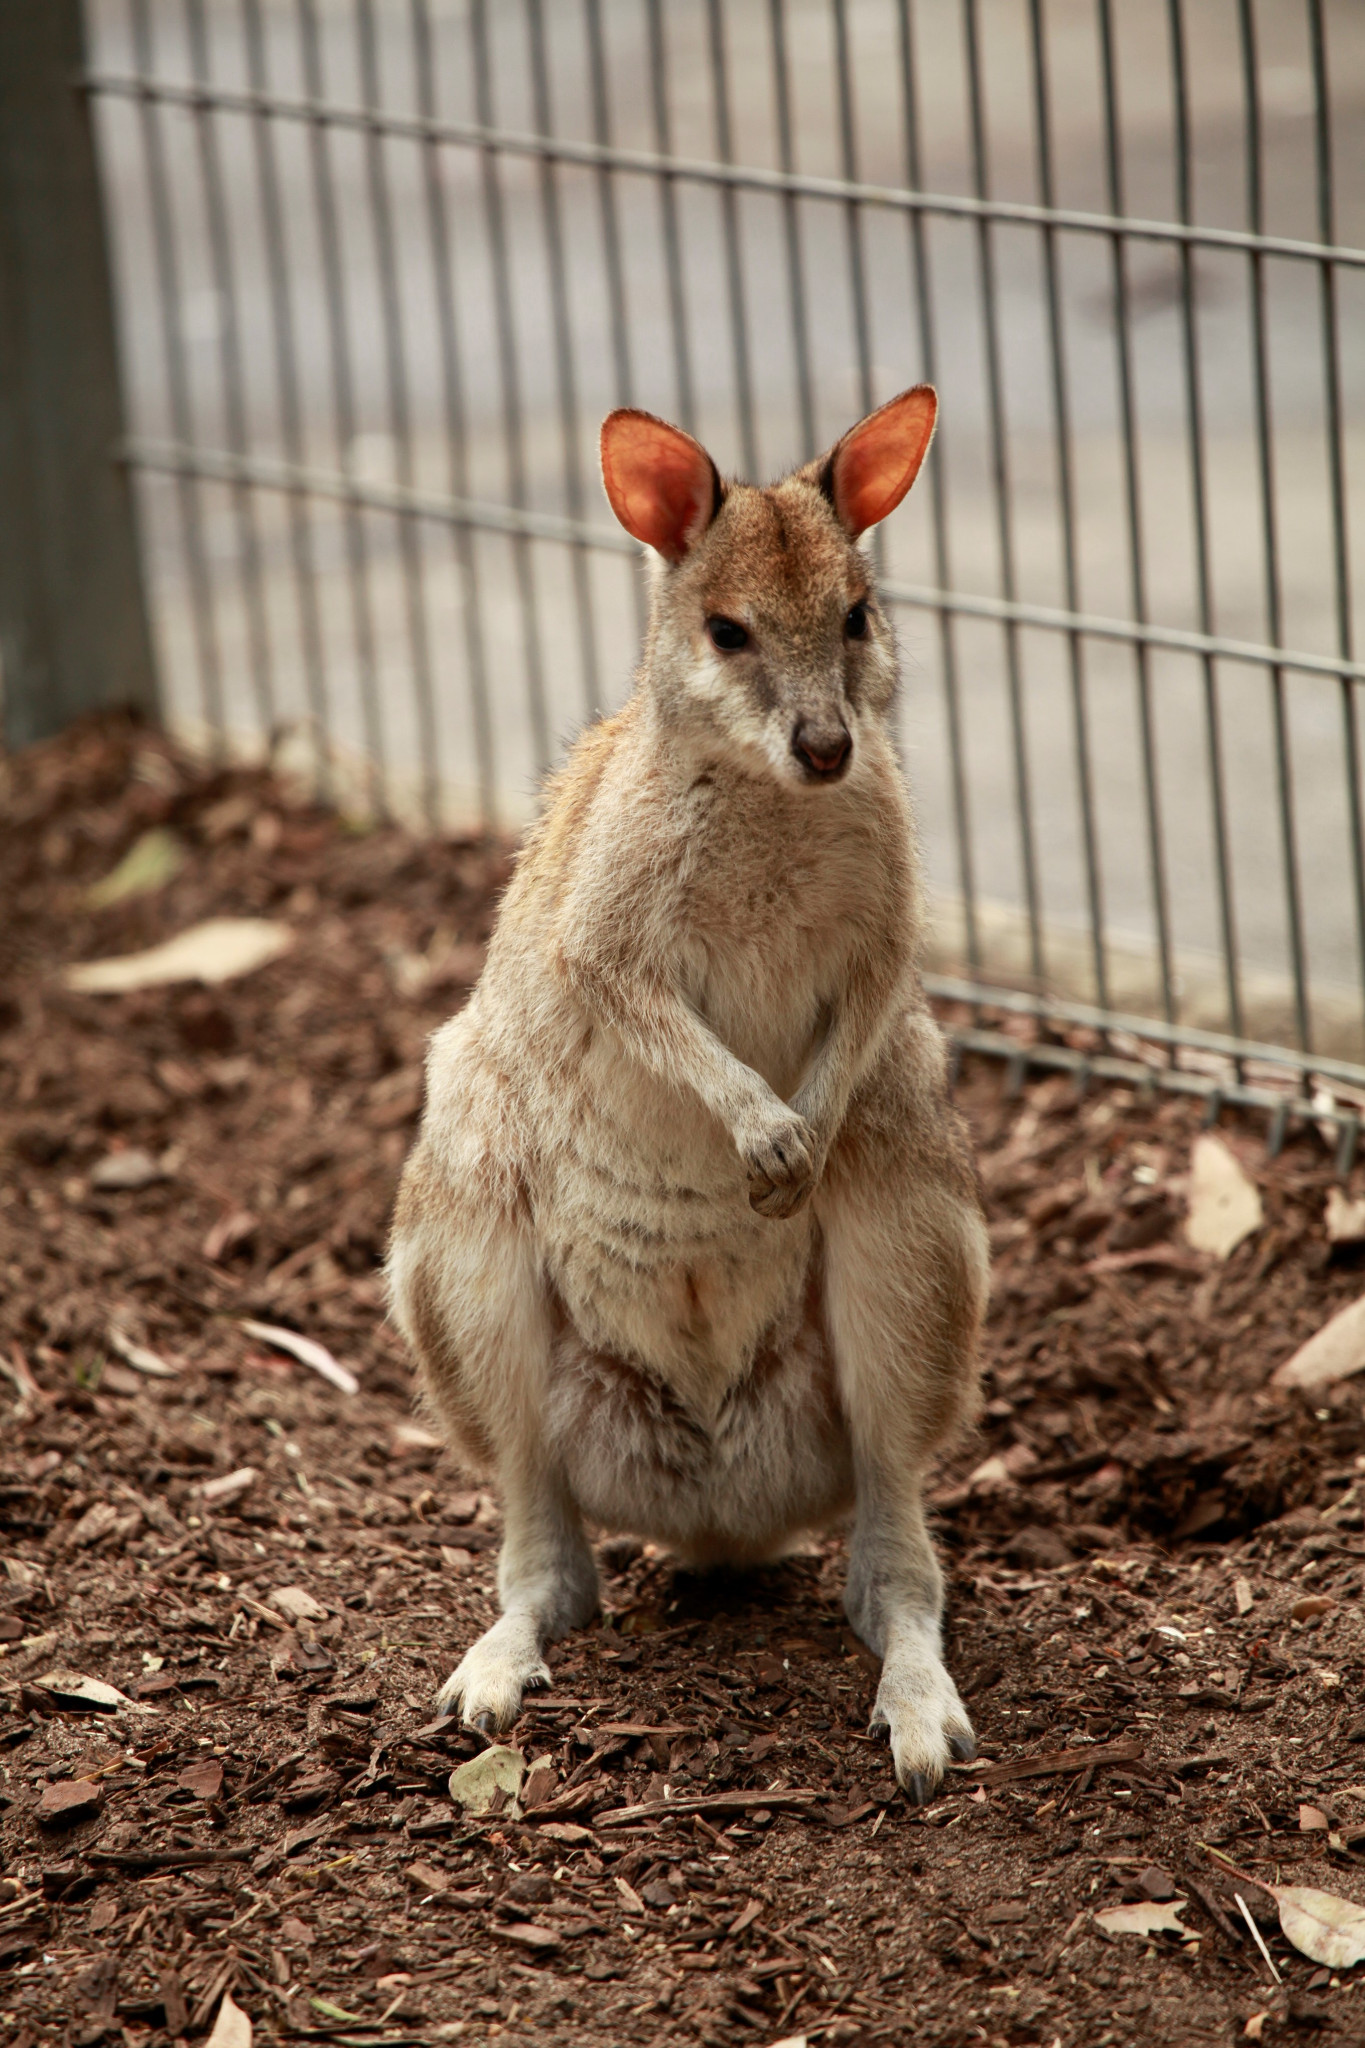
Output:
x=783 y=1162
x=919 y=1708
x=487 y=1684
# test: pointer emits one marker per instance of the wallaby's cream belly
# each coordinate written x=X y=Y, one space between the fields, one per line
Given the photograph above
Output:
x=648 y=1237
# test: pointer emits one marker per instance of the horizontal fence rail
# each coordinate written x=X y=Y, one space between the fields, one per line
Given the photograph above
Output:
x=382 y=269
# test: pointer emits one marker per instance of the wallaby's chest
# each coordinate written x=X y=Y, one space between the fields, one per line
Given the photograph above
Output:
x=765 y=937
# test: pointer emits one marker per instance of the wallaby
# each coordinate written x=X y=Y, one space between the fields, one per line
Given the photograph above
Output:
x=690 y=1245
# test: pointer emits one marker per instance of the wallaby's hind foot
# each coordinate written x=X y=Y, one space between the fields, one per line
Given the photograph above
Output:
x=487 y=1685
x=919 y=1708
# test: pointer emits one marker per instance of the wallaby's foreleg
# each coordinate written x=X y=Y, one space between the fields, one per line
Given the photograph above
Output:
x=904 y=1288
x=468 y=1294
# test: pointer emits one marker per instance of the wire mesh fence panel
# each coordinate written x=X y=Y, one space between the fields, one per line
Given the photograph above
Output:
x=383 y=265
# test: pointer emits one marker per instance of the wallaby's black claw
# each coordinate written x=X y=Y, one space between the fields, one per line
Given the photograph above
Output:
x=917 y=1789
x=486 y=1725
x=963 y=1748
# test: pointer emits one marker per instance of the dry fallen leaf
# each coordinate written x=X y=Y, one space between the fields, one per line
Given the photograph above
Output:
x=1255 y=2026
x=1345 y=1218
x=215 y=1491
x=220 y=949
x=149 y=863
x=496 y=1769
x=1224 y=1205
x=307 y=1352
x=125 y=1172
x=297 y=1604
x=139 y=1357
x=1143 y=1919
x=232 y=2026
x=77 y=1693
x=1322 y=1925
x=1332 y=1353
x=1311 y=1818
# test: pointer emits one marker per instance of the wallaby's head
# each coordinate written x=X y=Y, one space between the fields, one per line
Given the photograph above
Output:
x=766 y=636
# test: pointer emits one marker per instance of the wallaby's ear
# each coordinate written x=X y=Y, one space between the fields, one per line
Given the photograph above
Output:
x=866 y=475
x=663 y=486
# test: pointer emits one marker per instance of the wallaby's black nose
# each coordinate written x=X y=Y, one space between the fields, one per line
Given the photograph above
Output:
x=823 y=749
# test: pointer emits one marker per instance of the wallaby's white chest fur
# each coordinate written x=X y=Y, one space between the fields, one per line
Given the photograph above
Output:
x=690 y=1244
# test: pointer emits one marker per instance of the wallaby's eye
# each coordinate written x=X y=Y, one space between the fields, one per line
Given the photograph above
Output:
x=727 y=634
x=855 y=625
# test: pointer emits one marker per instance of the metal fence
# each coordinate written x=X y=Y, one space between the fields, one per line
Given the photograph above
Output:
x=381 y=266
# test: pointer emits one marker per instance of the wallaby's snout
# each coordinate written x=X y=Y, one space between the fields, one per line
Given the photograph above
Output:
x=823 y=747
x=767 y=643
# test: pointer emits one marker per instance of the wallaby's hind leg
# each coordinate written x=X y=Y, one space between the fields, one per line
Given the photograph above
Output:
x=905 y=1283
x=467 y=1295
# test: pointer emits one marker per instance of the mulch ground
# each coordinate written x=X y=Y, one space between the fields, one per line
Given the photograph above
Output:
x=270 y=1815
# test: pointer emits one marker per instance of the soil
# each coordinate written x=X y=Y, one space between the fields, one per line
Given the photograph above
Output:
x=1154 y=1584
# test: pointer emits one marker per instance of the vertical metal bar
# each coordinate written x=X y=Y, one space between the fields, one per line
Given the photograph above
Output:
x=1269 y=525
x=259 y=652
x=1336 y=465
x=165 y=263
x=287 y=387
x=791 y=223
x=343 y=407
x=1194 y=418
x=574 y=495
x=936 y=479
x=67 y=527
x=729 y=201
x=611 y=243
x=848 y=154
x=1133 y=506
x=668 y=201
x=453 y=405
x=400 y=415
x=1000 y=466
x=1066 y=494
x=606 y=193
x=513 y=423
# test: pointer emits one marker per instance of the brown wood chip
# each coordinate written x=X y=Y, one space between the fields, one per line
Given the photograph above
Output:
x=69 y=1800
x=529 y=1934
x=715 y=1803
x=1055 y=1762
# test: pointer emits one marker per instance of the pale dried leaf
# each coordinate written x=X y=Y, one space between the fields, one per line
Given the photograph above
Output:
x=307 y=1351
x=1143 y=1918
x=220 y=949
x=148 y=864
x=297 y=1604
x=1322 y=1926
x=1334 y=1352
x=232 y=2028
x=72 y=1689
x=1255 y=2026
x=215 y=1491
x=496 y=1769
x=139 y=1357
x=1345 y=1218
x=126 y=1171
x=1224 y=1204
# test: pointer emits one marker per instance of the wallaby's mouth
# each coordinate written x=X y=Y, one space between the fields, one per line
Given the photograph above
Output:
x=823 y=753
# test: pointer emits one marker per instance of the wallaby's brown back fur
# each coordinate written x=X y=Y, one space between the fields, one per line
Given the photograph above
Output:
x=690 y=1241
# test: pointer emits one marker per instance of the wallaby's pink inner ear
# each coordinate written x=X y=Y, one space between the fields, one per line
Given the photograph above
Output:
x=662 y=484
x=874 y=465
